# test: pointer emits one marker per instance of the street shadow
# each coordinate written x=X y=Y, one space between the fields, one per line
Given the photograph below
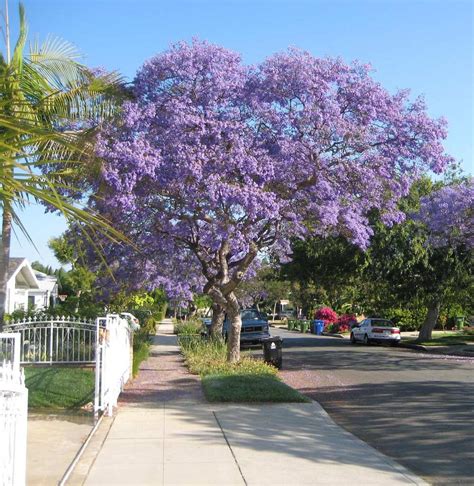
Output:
x=428 y=427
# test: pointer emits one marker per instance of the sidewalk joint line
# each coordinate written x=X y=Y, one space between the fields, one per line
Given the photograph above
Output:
x=230 y=448
x=164 y=442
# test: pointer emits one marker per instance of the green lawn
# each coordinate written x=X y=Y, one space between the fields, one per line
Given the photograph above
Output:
x=59 y=387
x=249 y=388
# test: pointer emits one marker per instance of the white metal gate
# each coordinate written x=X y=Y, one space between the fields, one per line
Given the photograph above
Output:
x=56 y=339
x=13 y=412
x=63 y=340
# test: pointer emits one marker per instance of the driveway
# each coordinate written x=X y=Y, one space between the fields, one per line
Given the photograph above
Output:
x=416 y=408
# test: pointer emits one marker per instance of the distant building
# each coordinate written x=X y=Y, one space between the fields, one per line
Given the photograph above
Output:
x=26 y=287
x=47 y=294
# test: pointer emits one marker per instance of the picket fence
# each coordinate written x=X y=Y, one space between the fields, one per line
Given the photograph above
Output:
x=13 y=412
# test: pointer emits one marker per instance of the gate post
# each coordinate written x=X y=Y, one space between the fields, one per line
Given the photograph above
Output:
x=51 y=343
x=97 y=371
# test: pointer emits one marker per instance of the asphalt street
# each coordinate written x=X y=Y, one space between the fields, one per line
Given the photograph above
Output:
x=414 y=407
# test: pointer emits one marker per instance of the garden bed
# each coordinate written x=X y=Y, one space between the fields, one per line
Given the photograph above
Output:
x=249 y=380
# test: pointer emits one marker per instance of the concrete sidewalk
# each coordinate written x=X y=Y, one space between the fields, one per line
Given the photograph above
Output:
x=185 y=440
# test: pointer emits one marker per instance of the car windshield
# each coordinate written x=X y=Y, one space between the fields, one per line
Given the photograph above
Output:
x=250 y=314
x=382 y=323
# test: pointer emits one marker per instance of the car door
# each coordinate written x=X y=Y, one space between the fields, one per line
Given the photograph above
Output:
x=358 y=331
x=368 y=328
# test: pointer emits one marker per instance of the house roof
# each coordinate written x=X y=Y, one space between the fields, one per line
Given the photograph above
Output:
x=44 y=276
x=20 y=268
x=13 y=265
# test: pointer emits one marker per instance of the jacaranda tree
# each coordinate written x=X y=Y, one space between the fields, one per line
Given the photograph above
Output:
x=223 y=162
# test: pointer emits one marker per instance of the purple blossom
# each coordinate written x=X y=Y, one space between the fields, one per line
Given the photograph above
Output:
x=449 y=215
x=215 y=162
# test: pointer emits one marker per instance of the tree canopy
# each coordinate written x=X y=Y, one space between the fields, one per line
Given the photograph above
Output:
x=217 y=162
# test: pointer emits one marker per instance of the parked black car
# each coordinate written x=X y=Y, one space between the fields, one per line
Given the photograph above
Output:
x=254 y=327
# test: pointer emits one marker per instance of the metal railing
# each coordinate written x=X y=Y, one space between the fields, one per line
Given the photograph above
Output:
x=56 y=340
x=13 y=413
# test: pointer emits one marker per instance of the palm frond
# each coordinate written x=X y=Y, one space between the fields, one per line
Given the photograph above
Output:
x=17 y=58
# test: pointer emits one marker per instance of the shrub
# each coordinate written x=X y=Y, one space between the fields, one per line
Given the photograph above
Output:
x=345 y=322
x=327 y=315
x=141 y=349
x=407 y=319
x=191 y=326
x=332 y=328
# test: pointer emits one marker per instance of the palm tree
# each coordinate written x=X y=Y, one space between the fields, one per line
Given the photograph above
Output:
x=50 y=108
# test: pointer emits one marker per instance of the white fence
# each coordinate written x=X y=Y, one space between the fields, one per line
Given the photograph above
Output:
x=56 y=340
x=114 y=361
x=106 y=343
x=13 y=413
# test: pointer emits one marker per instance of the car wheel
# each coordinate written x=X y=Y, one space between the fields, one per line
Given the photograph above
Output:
x=366 y=339
x=395 y=343
x=353 y=339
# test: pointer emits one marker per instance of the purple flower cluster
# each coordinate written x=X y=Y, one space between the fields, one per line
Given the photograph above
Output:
x=215 y=162
x=449 y=215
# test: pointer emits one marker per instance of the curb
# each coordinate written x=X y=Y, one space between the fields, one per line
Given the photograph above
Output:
x=329 y=334
x=445 y=351
x=80 y=452
x=417 y=347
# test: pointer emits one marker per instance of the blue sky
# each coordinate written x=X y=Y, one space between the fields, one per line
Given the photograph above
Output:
x=426 y=46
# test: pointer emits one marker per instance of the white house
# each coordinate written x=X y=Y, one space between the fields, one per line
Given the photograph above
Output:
x=27 y=287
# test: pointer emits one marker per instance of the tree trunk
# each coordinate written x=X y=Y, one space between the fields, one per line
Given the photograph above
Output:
x=430 y=321
x=217 y=323
x=4 y=260
x=235 y=322
x=192 y=309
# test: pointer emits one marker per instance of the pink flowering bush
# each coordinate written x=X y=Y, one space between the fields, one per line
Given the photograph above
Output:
x=327 y=315
x=345 y=321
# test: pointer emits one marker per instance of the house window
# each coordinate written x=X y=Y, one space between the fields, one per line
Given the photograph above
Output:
x=31 y=301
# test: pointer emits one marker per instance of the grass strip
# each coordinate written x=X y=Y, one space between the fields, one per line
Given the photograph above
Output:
x=59 y=387
x=249 y=388
x=249 y=380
